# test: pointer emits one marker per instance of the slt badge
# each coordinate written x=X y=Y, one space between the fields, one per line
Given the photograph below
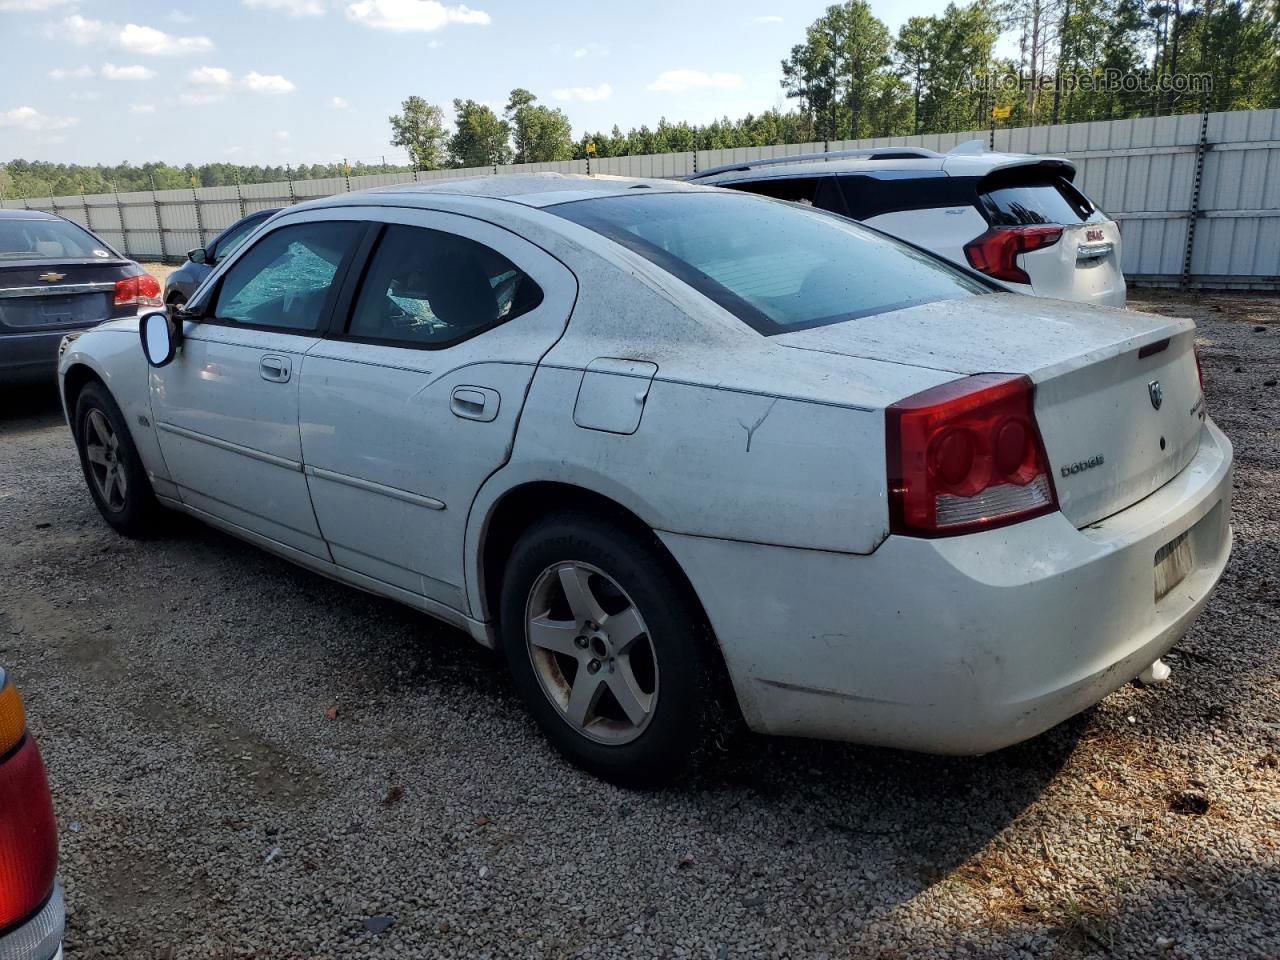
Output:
x=1156 y=392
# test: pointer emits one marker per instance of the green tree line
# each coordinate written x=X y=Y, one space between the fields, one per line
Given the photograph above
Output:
x=849 y=78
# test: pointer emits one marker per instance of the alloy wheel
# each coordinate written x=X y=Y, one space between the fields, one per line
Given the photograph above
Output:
x=591 y=652
x=102 y=449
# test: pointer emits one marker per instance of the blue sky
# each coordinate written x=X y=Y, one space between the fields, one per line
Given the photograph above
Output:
x=293 y=81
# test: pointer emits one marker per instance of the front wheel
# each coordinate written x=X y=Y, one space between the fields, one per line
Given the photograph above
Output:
x=112 y=468
x=608 y=651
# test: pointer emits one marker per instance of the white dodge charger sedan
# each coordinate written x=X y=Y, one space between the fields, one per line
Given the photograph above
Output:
x=674 y=448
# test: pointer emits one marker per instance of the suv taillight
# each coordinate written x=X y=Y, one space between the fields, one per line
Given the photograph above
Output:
x=142 y=290
x=966 y=456
x=28 y=834
x=1195 y=349
x=995 y=252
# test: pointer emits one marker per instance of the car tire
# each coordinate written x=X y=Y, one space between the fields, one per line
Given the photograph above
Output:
x=669 y=664
x=112 y=468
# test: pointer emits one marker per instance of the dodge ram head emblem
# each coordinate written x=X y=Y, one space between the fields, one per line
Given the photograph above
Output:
x=1156 y=392
x=51 y=277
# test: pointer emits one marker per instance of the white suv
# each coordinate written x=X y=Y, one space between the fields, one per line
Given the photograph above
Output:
x=1015 y=217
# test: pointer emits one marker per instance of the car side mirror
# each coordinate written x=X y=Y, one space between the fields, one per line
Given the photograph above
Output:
x=160 y=337
x=199 y=255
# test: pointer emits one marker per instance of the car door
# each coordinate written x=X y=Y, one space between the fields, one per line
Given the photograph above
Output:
x=226 y=408
x=413 y=401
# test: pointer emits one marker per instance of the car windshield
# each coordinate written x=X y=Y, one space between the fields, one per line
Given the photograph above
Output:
x=776 y=266
x=48 y=240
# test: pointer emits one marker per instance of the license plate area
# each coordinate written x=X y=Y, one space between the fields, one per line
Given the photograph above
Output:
x=1173 y=562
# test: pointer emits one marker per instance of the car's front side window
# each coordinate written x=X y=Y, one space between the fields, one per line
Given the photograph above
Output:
x=284 y=280
x=234 y=237
x=429 y=288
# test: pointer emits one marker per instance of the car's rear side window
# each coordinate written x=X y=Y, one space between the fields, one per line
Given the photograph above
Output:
x=776 y=266
x=428 y=288
x=819 y=192
x=1018 y=198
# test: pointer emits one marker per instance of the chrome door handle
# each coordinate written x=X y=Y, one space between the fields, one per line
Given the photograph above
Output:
x=475 y=403
x=275 y=369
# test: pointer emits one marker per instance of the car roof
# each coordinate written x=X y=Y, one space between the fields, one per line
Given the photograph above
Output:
x=952 y=164
x=27 y=215
x=529 y=189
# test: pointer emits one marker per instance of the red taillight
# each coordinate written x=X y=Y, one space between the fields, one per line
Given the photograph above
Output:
x=1195 y=348
x=28 y=835
x=966 y=456
x=995 y=252
x=142 y=290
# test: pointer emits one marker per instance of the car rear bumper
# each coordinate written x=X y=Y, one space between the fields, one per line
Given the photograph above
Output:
x=40 y=938
x=964 y=644
x=32 y=356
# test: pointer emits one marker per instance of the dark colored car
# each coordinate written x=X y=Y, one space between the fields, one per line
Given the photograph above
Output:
x=57 y=277
x=182 y=282
x=32 y=914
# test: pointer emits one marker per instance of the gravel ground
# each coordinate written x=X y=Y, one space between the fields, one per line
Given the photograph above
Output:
x=248 y=760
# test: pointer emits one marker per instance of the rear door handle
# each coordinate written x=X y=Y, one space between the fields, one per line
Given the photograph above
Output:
x=275 y=369
x=475 y=403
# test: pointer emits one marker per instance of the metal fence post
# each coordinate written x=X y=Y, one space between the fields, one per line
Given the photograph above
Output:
x=195 y=195
x=124 y=231
x=1193 y=215
x=155 y=201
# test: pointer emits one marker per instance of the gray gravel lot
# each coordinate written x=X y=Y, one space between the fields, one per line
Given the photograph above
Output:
x=249 y=761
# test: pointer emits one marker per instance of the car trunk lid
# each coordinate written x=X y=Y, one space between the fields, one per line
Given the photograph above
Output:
x=1083 y=266
x=35 y=296
x=1118 y=396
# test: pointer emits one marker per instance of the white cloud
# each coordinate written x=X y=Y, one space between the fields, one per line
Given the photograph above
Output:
x=591 y=49
x=78 y=73
x=199 y=99
x=282 y=134
x=155 y=42
x=86 y=96
x=267 y=83
x=211 y=77
x=142 y=108
x=178 y=16
x=295 y=8
x=135 y=38
x=15 y=6
x=137 y=72
x=405 y=16
x=768 y=19
x=678 y=81
x=233 y=150
x=29 y=118
x=585 y=94
x=339 y=103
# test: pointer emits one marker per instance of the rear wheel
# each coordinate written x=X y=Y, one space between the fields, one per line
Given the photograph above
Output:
x=608 y=651
x=112 y=468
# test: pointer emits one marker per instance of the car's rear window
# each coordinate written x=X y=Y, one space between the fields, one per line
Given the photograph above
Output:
x=776 y=266
x=48 y=240
x=1033 y=197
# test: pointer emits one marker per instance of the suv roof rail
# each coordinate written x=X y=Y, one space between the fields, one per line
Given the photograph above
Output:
x=877 y=153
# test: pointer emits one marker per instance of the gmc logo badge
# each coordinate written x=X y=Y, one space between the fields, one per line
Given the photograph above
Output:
x=1092 y=235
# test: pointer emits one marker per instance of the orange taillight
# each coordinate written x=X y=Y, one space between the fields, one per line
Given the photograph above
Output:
x=13 y=721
